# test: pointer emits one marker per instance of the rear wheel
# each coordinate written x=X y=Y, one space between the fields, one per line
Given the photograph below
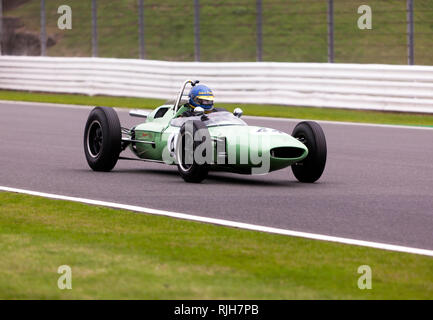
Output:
x=193 y=135
x=311 y=168
x=102 y=139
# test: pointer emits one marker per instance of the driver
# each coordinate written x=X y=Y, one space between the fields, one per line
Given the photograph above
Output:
x=199 y=96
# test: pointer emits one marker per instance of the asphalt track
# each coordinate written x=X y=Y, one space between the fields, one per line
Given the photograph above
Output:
x=377 y=186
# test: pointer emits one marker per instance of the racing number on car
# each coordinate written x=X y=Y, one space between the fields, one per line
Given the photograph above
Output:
x=171 y=143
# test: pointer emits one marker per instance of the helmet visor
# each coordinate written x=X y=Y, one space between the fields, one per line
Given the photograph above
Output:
x=204 y=100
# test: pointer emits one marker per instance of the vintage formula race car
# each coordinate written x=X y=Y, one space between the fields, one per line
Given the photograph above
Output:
x=202 y=141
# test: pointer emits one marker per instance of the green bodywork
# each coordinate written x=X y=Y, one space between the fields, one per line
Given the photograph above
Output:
x=159 y=131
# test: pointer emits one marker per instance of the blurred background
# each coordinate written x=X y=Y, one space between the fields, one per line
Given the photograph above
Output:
x=223 y=30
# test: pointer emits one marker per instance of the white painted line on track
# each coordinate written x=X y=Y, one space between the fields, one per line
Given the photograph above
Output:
x=359 y=124
x=226 y=223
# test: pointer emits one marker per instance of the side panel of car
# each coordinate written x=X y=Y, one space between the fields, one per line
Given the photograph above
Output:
x=151 y=131
x=247 y=145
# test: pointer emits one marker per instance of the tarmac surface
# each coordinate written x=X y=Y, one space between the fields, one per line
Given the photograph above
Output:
x=377 y=185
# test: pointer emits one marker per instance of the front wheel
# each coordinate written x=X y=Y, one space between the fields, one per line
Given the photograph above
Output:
x=102 y=139
x=311 y=168
x=194 y=147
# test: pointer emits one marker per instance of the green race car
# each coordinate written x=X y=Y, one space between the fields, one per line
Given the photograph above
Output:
x=198 y=142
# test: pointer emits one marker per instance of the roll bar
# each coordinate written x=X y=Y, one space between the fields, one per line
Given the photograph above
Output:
x=179 y=97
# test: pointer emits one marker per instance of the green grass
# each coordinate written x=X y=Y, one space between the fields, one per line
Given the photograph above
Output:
x=119 y=254
x=249 y=109
x=294 y=30
x=121 y=102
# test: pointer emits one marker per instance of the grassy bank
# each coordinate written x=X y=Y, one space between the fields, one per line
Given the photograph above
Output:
x=249 y=109
x=293 y=30
x=119 y=254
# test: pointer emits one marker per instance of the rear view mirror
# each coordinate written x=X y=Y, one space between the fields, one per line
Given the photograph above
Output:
x=198 y=111
x=238 y=112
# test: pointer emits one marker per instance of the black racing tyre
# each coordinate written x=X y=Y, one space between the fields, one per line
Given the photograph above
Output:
x=102 y=139
x=311 y=168
x=191 y=169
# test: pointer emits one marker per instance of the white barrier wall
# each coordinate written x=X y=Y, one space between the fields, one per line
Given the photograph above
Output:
x=356 y=86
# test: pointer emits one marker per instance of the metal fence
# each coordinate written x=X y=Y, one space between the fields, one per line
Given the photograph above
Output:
x=224 y=30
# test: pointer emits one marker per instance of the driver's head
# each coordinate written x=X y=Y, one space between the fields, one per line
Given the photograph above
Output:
x=201 y=96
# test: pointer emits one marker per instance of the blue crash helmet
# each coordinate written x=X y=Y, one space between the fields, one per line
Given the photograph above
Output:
x=201 y=96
